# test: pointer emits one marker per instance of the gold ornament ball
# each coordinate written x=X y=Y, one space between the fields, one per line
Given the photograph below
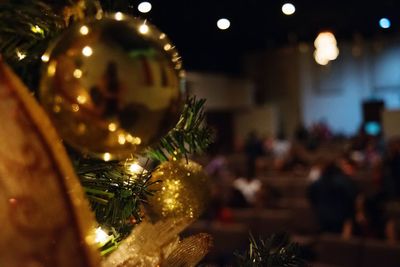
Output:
x=112 y=86
x=184 y=190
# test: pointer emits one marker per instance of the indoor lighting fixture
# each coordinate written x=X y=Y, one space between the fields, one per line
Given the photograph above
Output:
x=223 y=24
x=384 y=23
x=144 y=7
x=325 y=48
x=288 y=9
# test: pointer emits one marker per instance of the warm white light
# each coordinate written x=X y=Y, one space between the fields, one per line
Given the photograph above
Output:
x=84 y=30
x=121 y=139
x=119 y=16
x=106 y=156
x=21 y=55
x=45 y=58
x=325 y=48
x=101 y=236
x=143 y=29
x=325 y=39
x=81 y=99
x=167 y=47
x=37 y=29
x=112 y=127
x=319 y=58
x=135 y=168
x=87 y=51
x=144 y=7
x=77 y=73
x=223 y=24
x=288 y=9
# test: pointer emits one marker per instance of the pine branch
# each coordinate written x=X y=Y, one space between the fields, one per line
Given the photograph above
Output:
x=275 y=251
x=114 y=194
x=189 y=136
x=26 y=27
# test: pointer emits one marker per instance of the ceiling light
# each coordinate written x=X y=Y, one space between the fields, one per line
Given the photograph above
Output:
x=325 y=48
x=223 y=24
x=288 y=9
x=144 y=7
x=384 y=23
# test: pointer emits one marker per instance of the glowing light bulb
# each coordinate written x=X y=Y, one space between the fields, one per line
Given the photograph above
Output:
x=119 y=16
x=223 y=24
x=135 y=168
x=77 y=73
x=167 y=47
x=325 y=48
x=45 y=58
x=101 y=236
x=288 y=9
x=37 y=29
x=20 y=55
x=144 y=7
x=107 y=156
x=112 y=127
x=384 y=23
x=84 y=30
x=143 y=29
x=81 y=99
x=87 y=51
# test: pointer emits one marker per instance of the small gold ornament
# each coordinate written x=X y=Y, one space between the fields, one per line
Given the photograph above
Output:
x=112 y=86
x=184 y=190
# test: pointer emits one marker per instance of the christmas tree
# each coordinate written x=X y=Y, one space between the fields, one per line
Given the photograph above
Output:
x=112 y=87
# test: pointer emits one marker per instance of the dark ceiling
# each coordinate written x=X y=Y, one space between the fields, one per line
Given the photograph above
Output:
x=260 y=24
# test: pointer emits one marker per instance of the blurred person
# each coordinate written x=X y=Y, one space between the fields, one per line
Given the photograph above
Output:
x=253 y=150
x=391 y=167
x=332 y=197
x=249 y=188
x=369 y=219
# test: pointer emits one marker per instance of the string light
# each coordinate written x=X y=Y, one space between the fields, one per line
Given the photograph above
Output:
x=143 y=29
x=223 y=24
x=101 y=236
x=20 y=55
x=84 y=30
x=107 y=156
x=87 y=51
x=119 y=16
x=45 y=58
x=144 y=7
x=77 y=73
x=37 y=29
x=112 y=127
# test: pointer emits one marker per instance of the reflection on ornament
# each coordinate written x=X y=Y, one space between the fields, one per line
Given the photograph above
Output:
x=111 y=87
x=101 y=237
x=183 y=190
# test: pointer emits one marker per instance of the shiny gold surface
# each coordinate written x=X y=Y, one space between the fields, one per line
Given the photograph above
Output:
x=110 y=86
x=183 y=192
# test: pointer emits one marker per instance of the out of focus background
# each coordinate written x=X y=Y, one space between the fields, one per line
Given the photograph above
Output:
x=304 y=98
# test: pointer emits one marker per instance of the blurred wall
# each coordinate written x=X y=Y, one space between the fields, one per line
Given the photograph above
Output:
x=263 y=120
x=222 y=92
x=307 y=92
x=276 y=78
